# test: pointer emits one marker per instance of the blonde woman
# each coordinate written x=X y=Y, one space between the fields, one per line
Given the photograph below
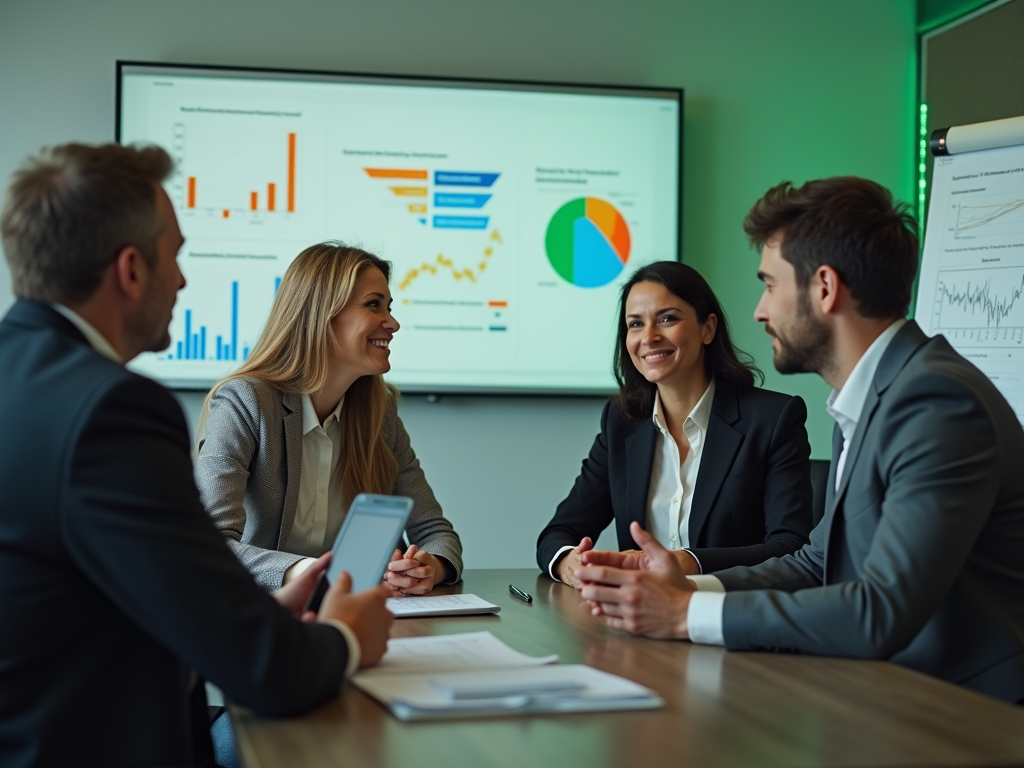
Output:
x=307 y=423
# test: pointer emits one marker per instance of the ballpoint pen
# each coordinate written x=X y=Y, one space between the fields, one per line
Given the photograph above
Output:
x=519 y=593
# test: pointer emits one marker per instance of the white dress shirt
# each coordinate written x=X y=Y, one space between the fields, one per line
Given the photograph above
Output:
x=670 y=496
x=704 y=616
x=99 y=342
x=670 y=493
x=318 y=513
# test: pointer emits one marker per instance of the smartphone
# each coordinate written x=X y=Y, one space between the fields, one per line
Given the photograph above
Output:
x=372 y=528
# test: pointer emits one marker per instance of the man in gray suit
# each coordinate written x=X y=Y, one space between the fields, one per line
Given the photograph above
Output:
x=918 y=559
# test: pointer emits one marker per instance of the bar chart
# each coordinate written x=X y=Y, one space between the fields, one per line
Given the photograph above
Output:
x=195 y=342
x=217 y=194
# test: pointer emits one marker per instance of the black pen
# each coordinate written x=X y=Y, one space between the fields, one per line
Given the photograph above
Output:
x=519 y=593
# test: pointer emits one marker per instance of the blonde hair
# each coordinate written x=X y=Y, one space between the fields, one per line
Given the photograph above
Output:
x=294 y=351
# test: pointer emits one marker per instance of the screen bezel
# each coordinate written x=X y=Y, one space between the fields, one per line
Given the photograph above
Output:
x=131 y=67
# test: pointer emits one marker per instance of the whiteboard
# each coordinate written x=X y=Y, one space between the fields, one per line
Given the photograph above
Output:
x=972 y=270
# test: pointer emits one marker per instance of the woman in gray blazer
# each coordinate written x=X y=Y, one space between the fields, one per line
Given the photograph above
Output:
x=308 y=422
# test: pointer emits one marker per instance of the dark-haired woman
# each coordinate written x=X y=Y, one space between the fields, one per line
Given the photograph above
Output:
x=716 y=469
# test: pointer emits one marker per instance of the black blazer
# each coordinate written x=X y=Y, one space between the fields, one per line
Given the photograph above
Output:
x=114 y=583
x=752 y=500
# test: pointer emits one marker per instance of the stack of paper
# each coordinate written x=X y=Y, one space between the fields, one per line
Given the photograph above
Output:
x=475 y=674
x=439 y=605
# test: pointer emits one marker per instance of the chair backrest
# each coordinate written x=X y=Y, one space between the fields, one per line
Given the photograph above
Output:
x=819 y=481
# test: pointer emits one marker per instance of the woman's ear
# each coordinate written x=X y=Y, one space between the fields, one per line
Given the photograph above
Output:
x=710 y=327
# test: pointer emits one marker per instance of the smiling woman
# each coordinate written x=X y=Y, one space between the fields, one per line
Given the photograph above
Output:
x=717 y=470
x=307 y=423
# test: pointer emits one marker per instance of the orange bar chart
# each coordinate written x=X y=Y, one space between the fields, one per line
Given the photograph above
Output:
x=191 y=191
x=394 y=173
x=254 y=201
x=410 y=191
x=291 y=173
x=227 y=213
x=271 y=196
x=417 y=208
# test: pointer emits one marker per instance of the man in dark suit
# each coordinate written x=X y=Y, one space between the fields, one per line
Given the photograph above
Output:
x=918 y=558
x=115 y=587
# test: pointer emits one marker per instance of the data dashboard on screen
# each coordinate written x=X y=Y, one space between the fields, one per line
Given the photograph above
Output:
x=512 y=213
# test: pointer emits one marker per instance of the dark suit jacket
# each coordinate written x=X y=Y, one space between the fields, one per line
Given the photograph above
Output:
x=114 y=583
x=920 y=556
x=752 y=500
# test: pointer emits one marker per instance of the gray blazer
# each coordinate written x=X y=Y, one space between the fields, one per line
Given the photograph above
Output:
x=248 y=471
x=920 y=556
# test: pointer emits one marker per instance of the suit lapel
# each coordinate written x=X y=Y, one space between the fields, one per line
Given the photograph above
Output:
x=639 y=463
x=720 y=447
x=902 y=347
x=831 y=496
x=291 y=407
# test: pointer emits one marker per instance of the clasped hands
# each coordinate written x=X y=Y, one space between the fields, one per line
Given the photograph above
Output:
x=413 y=573
x=645 y=593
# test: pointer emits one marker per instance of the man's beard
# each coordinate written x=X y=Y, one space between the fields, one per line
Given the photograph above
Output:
x=809 y=348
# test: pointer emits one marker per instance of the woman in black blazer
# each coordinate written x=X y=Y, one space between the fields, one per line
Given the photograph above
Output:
x=742 y=494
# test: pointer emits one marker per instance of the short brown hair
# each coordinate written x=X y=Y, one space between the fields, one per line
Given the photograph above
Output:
x=847 y=223
x=71 y=209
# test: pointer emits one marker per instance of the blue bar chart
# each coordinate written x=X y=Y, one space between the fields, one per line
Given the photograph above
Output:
x=193 y=343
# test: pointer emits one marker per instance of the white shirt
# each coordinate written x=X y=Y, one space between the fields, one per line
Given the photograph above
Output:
x=318 y=512
x=670 y=493
x=99 y=342
x=670 y=496
x=704 y=616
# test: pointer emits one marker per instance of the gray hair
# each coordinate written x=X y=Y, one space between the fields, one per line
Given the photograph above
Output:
x=71 y=209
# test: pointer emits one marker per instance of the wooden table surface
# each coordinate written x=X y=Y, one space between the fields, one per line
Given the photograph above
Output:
x=721 y=708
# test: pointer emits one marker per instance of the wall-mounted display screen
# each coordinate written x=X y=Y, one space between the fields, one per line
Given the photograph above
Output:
x=511 y=212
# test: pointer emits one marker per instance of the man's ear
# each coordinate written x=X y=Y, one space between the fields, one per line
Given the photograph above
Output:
x=825 y=289
x=131 y=272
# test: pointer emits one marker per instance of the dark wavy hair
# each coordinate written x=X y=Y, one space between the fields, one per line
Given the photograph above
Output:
x=724 y=363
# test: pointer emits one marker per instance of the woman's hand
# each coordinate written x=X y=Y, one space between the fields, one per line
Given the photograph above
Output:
x=414 y=573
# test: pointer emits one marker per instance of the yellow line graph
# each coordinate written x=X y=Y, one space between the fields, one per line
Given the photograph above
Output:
x=444 y=263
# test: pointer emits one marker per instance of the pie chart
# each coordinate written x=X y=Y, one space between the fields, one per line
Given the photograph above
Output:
x=587 y=242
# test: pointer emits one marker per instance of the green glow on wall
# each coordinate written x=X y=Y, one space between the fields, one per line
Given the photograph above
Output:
x=922 y=156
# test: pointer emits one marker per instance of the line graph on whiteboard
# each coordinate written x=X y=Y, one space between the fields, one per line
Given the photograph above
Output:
x=982 y=305
x=983 y=216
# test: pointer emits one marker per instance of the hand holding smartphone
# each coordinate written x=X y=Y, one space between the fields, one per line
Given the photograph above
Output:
x=372 y=528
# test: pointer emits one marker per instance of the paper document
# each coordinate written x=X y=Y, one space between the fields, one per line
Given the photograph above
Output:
x=475 y=674
x=440 y=605
x=468 y=650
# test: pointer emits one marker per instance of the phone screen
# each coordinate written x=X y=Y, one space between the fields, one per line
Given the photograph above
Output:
x=366 y=546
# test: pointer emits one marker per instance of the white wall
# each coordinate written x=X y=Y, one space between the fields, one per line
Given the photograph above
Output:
x=787 y=89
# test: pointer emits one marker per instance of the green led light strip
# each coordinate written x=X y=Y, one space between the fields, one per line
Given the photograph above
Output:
x=922 y=157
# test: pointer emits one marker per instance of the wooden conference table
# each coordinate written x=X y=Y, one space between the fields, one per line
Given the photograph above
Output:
x=721 y=708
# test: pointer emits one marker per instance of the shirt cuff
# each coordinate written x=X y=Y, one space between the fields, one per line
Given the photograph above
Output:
x=707 y=583
x=555 y=559
x=691 y=553
x=355 y=653
x=704 y=616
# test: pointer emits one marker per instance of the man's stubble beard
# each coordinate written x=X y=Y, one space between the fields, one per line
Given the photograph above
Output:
x=809 y=350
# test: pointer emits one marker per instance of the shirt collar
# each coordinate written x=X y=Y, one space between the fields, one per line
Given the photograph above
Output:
x=700 y=415
x=96 y=339
x=846 y=405
x=309 y=419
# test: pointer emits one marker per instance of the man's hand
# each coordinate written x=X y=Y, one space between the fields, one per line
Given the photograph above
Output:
x=294 y=594
x=566 y=567
x=651 y=602
x=414 y=573
x=366 y=614
x=637 y=560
